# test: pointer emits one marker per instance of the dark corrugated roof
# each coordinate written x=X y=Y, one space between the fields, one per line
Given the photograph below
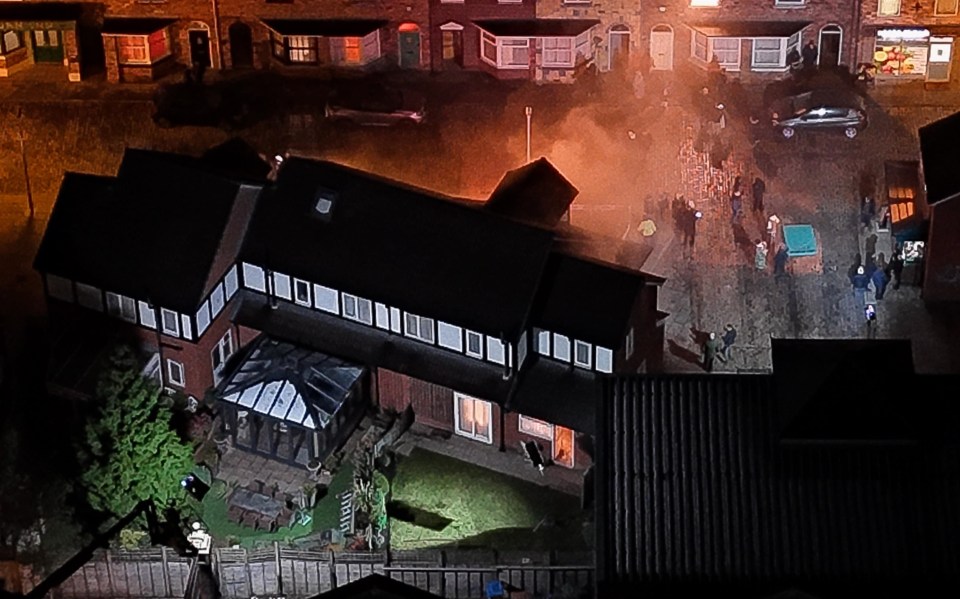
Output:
x=586 y=300
x=128 y=25
x=376 y=586
x=324 y=27
x=151 y=232
x=750 y=28
x=536 y=27
x=536 y=193
x=940 y=154
x=399 y=245
x=693 y=488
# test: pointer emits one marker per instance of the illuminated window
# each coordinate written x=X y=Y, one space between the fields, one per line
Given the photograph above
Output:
x=10 y=41
x=302 y=49
x=133 y=49
x=351 y=50
x=159 y=42
x=945 y=7
x=704 y=3
x=537 y=428
x=474 y=344
x=505 y=53
x=888 y=8
x=473 y=418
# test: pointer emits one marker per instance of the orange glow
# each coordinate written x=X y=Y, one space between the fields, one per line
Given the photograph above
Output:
x=899 y=212
x=563 y=446
x=409 y=27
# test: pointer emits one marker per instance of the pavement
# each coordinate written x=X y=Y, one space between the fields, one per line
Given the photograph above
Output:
x=476 y=131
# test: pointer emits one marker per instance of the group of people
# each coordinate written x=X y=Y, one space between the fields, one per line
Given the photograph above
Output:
x=718 y=348
x=876 y=272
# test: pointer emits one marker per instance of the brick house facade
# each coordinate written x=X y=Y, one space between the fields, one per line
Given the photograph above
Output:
x=616 y=39
x=456 y=39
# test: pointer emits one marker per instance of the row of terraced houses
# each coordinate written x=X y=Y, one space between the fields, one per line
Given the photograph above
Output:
x=542 y=40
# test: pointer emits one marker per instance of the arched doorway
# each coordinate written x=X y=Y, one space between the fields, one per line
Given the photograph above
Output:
x=241 y=45
x=831 y=44
x=661 y=47
x=409 y=45
x=452 y=44
x=619 y=45
x=198 y=35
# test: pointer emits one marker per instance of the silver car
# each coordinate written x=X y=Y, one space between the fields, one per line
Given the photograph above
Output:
x=375 y=105
x=819 y=109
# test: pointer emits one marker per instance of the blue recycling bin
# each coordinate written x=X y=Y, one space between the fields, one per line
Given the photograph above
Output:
x=800 y=240
x=495 y=590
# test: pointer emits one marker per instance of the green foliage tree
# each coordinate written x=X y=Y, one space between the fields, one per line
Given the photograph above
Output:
x=132 y=451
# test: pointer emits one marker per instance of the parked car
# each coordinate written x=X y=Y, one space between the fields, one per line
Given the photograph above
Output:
x=375 y=105
x=808 y=106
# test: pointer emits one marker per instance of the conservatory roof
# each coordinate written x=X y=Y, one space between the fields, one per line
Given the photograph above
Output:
x=290 y=383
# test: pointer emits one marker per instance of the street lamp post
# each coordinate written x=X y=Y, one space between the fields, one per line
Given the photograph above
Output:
x=21 y=137
x=529 y=111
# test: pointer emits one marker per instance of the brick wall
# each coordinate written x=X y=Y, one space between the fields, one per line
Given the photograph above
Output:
x=609 y=12
x=464 y=13
x=512 y=436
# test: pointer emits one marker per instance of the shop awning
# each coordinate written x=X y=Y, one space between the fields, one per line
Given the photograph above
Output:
x=133 y=26
x=324 y=27
x=28 y=16
x=537 y=27
x=750 y=28
x=290 y=383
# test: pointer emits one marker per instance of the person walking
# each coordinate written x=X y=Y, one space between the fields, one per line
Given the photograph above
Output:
x=868 y=210
x=728 y=338
x=780 y=263
x=894 y=269
x=736 y=205
x=879 y=280
x=861 y=284
x=710 y=349
x=809 y=55
x=759 y=188
x=852 y=271
x=760 y=256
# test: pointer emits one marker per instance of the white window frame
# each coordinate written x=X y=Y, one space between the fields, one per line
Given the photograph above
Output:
x=217 y=300
x=704 y=3
x=551 y=56
x=729 y=66
x=629 y=344
x=93 y=298
x=181 y=379
x=330 y=299
x=704 y=44
x=938 y=13
x=56 y=285
x=308 y=302
x=560 y=341
x=449 y=336
x=509 y=1
x=604 y=360
x=577 y=344
x=222 y=350
x=421 y=324
x=126 y=307
x=457 y=429
x=789 y=3
x=889 y=13
x=358 y=306
x=497 y=351
x=186 y=327
x=535 y=427
x=254 y=278
x=544 y=342
x=577 y=1
x=173 y=331
x=505 y=45
x=468 y=334
x=203 y=318
x=396 y=320
x=781 y=51
x=382 y=316
x=148 y=317
x=230 y=282
x=281 y=286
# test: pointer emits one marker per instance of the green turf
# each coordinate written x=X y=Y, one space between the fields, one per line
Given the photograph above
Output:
x=486 y=509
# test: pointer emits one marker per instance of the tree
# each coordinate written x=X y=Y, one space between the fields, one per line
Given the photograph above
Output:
x=132 y=451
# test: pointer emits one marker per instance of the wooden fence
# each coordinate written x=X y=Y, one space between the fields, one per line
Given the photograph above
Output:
x=294 y=574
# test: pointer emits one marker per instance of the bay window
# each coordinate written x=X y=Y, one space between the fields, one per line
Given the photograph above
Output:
x=698 y=44
x=302 y=49
x=143 y=49
x=727 y=52
x=558 y=52
x=768 y=53
x=506 y=53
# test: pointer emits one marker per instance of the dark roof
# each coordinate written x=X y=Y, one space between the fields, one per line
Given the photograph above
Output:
x=552 y=391
x=536 y=193
x=845 y=388
x=150 y=233
x=536 y=27
x=324 y=27
x=750 y=28
x=289 y=383
x=586 y=300
x=376 y=586
x=237 y=159
x=126 y=25
x=693 y=489
x=29 y=11
x=940 y=154
x=399 y=245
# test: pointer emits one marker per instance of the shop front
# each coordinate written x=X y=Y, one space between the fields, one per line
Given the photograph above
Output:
x=37 y=34
x=912 y=54
x=903 y=216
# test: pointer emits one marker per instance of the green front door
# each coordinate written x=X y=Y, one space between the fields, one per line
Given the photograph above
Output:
x=47 y=46
x=409 y=49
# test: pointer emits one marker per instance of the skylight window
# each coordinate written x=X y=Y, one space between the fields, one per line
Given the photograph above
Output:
x=324 y=200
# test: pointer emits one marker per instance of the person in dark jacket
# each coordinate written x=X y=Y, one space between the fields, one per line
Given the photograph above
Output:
x=710 y=350
x=852 y=271
x=861 y=283
x=809 y=54
x=894 y=269
x=780 y=263
x=759 y=188
x=879 y=280
x=728 y=338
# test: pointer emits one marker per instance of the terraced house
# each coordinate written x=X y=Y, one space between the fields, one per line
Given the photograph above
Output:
x=293 y=305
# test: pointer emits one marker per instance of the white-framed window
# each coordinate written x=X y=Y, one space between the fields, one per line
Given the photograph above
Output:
x=534 y=427
x=60 y=288
x=383 y=316
x=221 y=353
x=301 y=292
x=888 y=8
x=496 y=352
x=203 y=318
x=418 y=327
x=121 y=306
x=148 y=317
x=558 y=52
x=561 y=347
x=727 y=51
x=253 y=278
x=186 y=327
x=281 y=286
x=522 y=349
x=473 y=418
x=543 y=342
x=582 y=354
x=326 y=299
x=216 y=300
x=789 y=3
x=698 y=46
x=793 y=43
x=945 y=7
x=175 y=375
x=449 y=336
x=396 y=320
x=301 y=48
x=357 y=308
x=604 y=360
x=230 y=283
x=89 y=296
x=769 y=53
x=577 y=1
x=505 y=52
x=704 y=3
x=474 y=347
x=10 y=41
x=509 y=1
x=628 y=344
x=170 y=322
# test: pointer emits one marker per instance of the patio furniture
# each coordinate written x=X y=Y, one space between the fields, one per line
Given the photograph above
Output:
x=250 y=520
x=256 y=503
x=235 y=514
x=267 y=523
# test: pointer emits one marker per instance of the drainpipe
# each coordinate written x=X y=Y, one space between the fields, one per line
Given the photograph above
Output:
x=216 y=27
x=857 y=10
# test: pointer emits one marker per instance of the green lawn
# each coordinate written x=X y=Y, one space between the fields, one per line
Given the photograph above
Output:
x=326 y=515
x=485 y=508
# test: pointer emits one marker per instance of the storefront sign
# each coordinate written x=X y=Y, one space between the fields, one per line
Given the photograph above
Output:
x=896 y=35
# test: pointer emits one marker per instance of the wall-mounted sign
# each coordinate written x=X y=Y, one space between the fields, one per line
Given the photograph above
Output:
x=890 y=35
